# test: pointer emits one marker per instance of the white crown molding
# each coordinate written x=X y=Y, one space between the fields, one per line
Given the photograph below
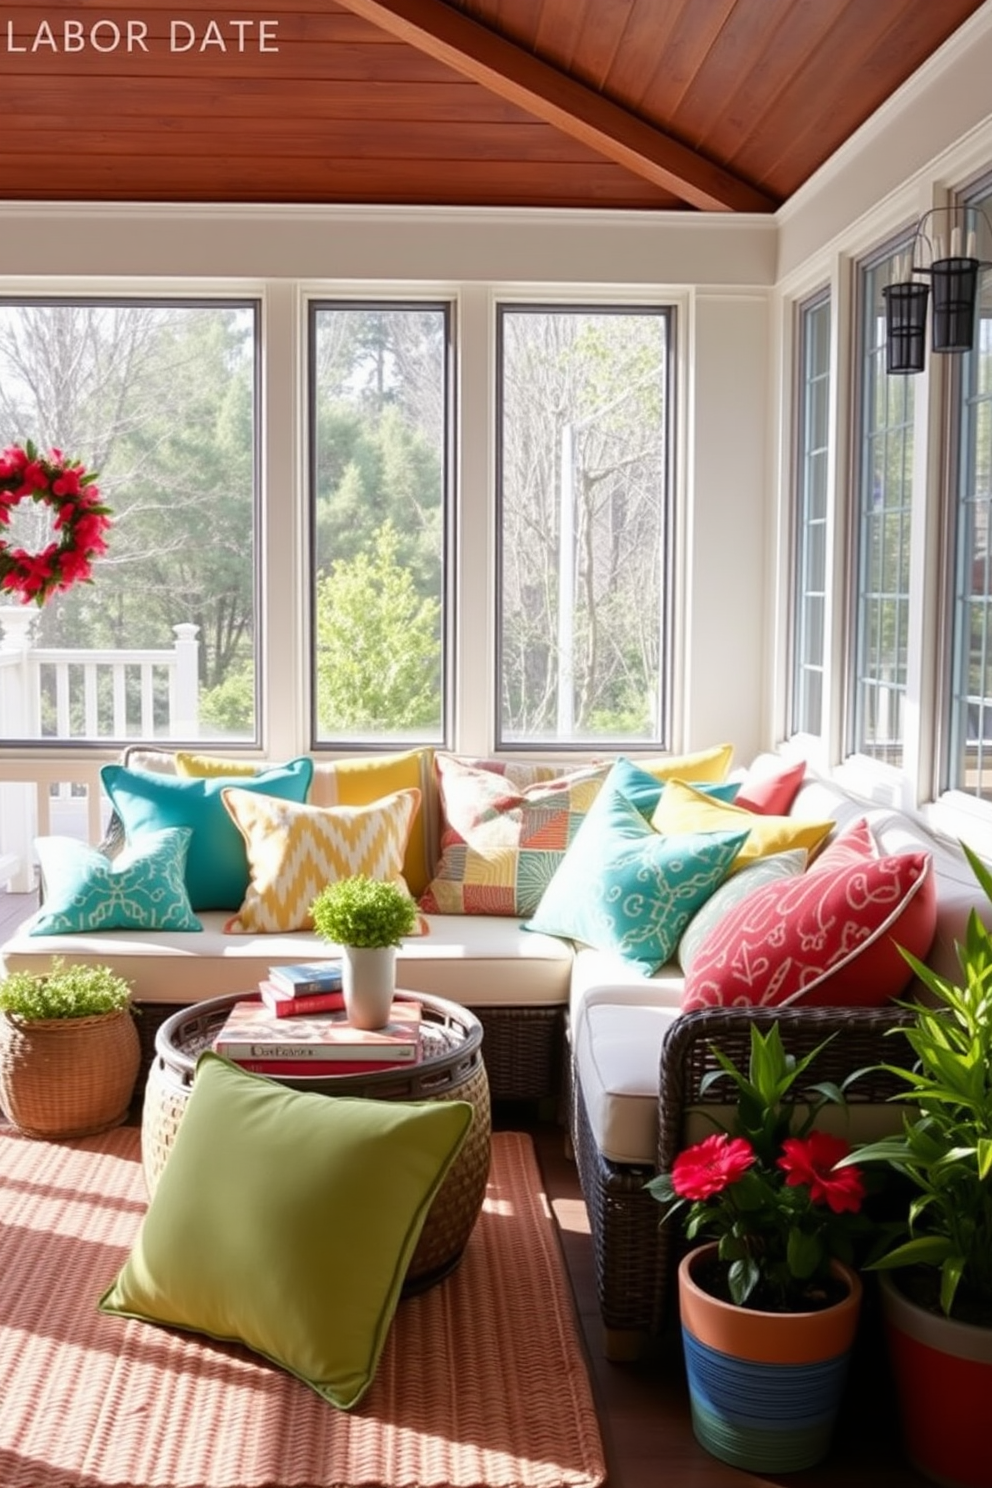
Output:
x=74 y=241
x=935 y=126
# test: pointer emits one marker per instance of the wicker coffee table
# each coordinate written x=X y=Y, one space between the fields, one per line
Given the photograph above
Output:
x=451 y=1068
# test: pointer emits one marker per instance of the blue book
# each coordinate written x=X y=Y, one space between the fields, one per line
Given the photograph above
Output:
x=307 y=976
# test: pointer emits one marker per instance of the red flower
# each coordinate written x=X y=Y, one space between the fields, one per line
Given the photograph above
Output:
x=67 y=484
x=34 y=477
x=73 y=566
x=12 y=461
x=88 y=529
x=711 y=1166
x=811 y=1161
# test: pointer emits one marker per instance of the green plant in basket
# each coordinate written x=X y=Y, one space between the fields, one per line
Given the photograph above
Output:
x=944 y=1151
x=63 y=992
x=364 y=912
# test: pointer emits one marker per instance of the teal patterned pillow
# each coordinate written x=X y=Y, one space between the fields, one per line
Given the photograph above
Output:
x=144 y=888
x=623 y=887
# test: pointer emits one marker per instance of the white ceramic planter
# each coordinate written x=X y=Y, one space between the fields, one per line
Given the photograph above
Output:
x=368 y=982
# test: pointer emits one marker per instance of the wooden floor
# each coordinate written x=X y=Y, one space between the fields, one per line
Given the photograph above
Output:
x=643 y=1408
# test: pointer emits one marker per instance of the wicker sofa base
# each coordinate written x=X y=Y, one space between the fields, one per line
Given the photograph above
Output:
x=635 y=1257
x=521 y=1049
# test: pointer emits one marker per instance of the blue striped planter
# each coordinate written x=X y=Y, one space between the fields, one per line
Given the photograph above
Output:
x=765 y=1388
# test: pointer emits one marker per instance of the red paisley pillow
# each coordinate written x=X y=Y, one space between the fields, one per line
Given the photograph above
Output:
x=827 y=938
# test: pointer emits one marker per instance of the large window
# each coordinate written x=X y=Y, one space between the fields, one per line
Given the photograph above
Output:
x=159 y=398
x=884 y=508
x=813 y=451
x=380 y=435
x=584 y=543
x=970 y=744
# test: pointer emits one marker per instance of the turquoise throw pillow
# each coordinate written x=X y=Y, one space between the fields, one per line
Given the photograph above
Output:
x=143 y=888
x=643 y=789
x=286 y=1220
x=217 y=862
x=624 y=887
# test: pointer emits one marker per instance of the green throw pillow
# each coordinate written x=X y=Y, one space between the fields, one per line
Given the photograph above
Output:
x=143 y=888
x=217 y=863
x=286 y=1219
x=624 y=887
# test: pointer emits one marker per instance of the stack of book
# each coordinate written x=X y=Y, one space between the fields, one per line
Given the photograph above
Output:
x=307 y=987
x=316 y=1044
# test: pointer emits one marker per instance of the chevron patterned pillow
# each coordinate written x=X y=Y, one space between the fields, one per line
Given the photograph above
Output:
x=294 y=850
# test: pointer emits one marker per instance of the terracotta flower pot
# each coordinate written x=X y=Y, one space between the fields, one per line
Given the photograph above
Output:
x=943 y=1373
x=765 y=1387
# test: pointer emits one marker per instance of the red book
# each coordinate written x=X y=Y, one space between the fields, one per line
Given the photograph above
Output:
x=277 y=1002
x=317 y=1068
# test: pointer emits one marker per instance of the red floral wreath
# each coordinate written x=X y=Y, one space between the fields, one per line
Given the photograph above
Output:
x=80 y=521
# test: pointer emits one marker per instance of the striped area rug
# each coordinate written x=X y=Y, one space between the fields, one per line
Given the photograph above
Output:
x=482 y=1383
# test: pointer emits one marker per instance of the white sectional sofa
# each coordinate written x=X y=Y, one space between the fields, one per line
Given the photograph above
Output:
x=563 y=1022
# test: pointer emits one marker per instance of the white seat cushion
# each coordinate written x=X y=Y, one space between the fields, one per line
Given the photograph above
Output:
x=616 y=1052
x=482 y=961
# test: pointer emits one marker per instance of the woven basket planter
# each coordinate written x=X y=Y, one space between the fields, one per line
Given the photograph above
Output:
x=68 y=1077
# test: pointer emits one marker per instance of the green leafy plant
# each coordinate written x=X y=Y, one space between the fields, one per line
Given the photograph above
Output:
x=363 y=912
x=768 y=1190
x=944 y=1152
x=63 y=992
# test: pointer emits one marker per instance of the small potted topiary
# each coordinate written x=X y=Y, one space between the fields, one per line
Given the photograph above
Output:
x=367 y=918
x=69 y=1050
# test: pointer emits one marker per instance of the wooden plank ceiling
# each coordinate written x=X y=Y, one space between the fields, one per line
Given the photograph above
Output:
x=705 y=105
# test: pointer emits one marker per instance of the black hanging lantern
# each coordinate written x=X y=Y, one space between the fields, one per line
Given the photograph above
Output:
x=955 y=291
x=906 y=326
x=954 y=277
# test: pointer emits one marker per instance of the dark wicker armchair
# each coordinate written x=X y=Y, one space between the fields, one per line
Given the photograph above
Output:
x=635 y=1257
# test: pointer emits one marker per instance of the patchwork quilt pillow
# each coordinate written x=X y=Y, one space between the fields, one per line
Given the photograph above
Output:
x=295 y=849
x=143 y=888
x=827 y=938
x=501 y=844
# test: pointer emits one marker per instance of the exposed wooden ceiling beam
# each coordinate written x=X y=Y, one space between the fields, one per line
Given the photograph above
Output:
x=505 y=69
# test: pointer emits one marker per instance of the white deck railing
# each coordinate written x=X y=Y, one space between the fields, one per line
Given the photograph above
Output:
x=67 y=695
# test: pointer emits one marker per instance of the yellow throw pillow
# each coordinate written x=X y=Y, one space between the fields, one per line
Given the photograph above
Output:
x=708 y=766
x=367 y=778
x=207 y=766
x=292 y=854
x=682 y=809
